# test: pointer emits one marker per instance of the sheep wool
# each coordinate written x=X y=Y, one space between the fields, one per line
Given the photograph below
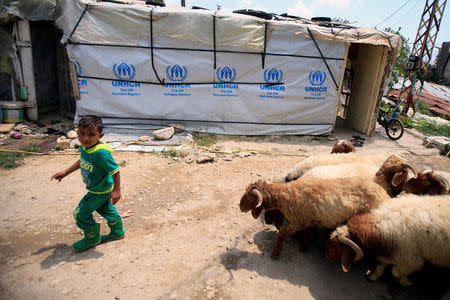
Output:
x=405 y=232
x=306 y=202
x=331 y=159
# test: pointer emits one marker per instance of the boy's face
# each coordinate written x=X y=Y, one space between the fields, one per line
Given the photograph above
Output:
x=89 y=137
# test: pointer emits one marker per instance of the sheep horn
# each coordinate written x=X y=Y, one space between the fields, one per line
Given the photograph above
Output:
x=258 y=194
x=442 y=181
x=408 y=166
x=351 y=244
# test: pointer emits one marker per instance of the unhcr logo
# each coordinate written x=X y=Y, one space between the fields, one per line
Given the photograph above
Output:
x=78 y=68
x=317 y=78
x=226 y=74
x=124 y=71
x=273 y=76
x=176 y=73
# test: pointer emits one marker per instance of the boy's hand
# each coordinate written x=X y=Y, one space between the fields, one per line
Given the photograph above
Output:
x=114 y=197
x=59 y=176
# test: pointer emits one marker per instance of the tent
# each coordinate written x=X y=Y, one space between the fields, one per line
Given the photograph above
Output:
x=138 y=65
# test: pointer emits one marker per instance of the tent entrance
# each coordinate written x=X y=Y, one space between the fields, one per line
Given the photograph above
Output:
x=361 y=86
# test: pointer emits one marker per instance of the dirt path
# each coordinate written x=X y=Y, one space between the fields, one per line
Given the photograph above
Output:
x=186 y=238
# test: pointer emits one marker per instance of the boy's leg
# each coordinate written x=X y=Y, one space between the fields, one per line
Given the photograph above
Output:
x=85 y=221
x=109 y=212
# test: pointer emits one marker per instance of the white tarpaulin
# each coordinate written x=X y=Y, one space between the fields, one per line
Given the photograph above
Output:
x=224 y=73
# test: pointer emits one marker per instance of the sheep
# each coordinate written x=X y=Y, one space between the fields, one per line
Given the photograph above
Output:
x=330 y=159
x=306 y=202
x=430 y=182
x=343 y=146
x=405 y=232
x=392 y=175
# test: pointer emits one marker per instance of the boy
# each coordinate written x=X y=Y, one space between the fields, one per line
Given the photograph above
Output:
x=102 y=178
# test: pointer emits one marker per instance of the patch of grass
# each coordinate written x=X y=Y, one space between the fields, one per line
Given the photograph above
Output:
x=123 y=163
x=423 y=109
x=169 y=152
x=204 y=139
x=11 y=160
x=446 y=150
x=432 y=128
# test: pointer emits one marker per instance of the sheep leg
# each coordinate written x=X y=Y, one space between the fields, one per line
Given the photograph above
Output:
x=303 y=237
x=281 y=235
x=401 y=274
x=379 y=270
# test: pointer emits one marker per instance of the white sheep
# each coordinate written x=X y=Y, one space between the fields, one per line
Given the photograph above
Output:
x=331 y=159
x=306 y=202
x=393 y=173
x=405 y=232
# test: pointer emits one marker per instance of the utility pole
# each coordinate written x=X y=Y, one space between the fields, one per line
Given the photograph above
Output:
x=420 y=59
x=427 y=31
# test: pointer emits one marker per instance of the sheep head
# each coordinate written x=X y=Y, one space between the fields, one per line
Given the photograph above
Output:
x=427 y=182
x=253 y=198
x=340 y=246
x=343 y=146
x=395 y=172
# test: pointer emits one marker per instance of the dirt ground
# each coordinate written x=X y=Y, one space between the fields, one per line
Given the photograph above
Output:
x=185 y=235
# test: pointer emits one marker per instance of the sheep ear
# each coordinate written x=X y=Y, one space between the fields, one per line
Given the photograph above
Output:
x=256 y=212
x=347 y=258
x=398 y=178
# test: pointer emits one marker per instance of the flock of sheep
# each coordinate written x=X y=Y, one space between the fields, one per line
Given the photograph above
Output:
x=379 y=206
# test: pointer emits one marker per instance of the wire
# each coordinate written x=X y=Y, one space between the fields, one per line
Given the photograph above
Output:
x=392 y=14
x=412 y=7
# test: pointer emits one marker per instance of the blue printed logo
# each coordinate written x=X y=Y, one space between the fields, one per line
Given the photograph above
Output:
x=226 y=74
x=176 y=73
x=78 y=68
x=273 y=76
x=124 y=71
x=317 y=78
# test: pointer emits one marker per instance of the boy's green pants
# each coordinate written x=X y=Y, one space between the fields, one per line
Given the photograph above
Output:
x=89 y=204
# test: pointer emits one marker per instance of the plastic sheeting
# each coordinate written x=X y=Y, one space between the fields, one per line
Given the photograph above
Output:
x=225 y=73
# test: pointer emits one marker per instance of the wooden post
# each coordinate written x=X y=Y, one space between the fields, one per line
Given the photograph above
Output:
x=73 y=76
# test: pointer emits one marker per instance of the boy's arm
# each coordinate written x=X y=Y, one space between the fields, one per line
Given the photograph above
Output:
x=60 y=175
x=115 y=195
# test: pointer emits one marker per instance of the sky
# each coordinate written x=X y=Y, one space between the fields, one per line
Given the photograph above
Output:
x=362 y=13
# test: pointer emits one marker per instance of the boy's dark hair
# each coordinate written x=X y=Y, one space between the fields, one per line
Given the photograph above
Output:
x=91 y=121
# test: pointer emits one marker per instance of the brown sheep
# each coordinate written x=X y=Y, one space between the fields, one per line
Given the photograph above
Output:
x=428 y=182
x=308 y=202
x=404 y=232
x=343 y=146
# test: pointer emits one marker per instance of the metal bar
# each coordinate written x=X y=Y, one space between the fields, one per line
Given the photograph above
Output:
x=324 y=60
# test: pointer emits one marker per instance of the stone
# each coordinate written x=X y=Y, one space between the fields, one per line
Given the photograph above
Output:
x=75 y=143
x=205 y=158
x=72 y=134
x=164 y=134
x=62 y=143
x=144 y=138
x=178 y=127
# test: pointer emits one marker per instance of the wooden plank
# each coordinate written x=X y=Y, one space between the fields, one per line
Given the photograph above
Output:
x=6 y=127
x=73 y=76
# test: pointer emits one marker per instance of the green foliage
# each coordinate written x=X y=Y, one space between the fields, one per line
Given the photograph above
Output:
x=446 y=150
x=11 y=160
x=398 y=70
x=123 y=163
x=204 y=139
x=169 y=152
x=423 y=108
x=432 y=128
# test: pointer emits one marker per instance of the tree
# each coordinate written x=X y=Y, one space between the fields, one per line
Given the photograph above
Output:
x=398 y=69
